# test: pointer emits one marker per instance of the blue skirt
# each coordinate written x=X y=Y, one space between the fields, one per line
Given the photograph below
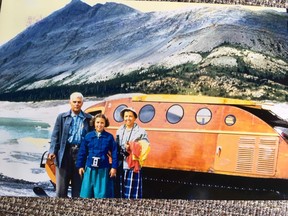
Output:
x=97 y=184
x=132 y=184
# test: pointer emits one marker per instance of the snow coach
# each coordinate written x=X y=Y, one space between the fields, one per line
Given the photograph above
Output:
x=205 y=147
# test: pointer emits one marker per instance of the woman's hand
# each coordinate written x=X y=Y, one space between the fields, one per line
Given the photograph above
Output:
x=127 y=147
x=112 y=172
x=81 y=171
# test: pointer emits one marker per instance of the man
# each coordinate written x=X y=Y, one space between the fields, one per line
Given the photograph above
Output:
x=70 y=127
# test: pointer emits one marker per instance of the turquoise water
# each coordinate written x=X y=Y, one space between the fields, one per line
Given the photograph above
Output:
x=18 y=128
x=22 y=143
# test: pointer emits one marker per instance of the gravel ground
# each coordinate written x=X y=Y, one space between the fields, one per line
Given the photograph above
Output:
x=59 y=206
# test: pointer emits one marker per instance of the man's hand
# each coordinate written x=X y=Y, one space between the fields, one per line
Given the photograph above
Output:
x=51 y=156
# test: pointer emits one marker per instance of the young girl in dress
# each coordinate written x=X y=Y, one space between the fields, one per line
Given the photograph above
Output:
x=93 y=161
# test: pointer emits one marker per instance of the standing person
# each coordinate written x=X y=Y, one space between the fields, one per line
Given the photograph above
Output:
x=131 y=179
x=94 y=153
x=70 y=127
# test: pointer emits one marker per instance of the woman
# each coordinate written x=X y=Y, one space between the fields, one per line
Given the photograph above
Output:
x=127 y=134
x=93 y=156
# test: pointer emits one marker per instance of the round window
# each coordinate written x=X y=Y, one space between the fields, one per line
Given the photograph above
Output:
x=230 y=120
x=117 y=111
x=146 y=113
x=174 y=114
x=203 y=116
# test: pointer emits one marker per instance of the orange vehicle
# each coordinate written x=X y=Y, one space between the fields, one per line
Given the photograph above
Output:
x=204 y=147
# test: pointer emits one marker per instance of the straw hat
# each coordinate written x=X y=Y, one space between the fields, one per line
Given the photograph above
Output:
x=128 y=109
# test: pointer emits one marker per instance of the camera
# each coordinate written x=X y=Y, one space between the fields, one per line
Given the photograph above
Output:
x=95 y=162
x=122 y=153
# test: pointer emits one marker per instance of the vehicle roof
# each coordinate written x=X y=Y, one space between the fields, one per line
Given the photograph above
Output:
x=194 y=99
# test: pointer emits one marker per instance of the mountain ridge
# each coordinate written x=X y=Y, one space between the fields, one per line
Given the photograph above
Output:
x=109 y=41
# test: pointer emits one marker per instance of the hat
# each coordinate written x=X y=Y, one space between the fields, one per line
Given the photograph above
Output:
x=128 y=109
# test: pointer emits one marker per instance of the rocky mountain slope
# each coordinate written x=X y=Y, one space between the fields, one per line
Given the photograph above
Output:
x=80 y=44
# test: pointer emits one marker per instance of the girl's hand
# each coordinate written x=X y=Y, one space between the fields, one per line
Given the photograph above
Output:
x=112 y=172
x=81 y=171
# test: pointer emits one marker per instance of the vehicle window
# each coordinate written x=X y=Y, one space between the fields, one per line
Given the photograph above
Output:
x=94 y=113
x=174 y=114
x=117 y=111
x=203 y=116
x=146 y=113
x=230 y=120
x=282 y=131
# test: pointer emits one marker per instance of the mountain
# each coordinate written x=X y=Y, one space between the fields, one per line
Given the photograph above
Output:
x=80 y=44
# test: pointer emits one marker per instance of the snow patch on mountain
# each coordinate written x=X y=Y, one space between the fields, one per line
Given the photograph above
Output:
x=82 y=44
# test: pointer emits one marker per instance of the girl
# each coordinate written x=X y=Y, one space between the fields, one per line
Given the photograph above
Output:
x=93 y=156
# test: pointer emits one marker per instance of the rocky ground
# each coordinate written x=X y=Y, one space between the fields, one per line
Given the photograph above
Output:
x=56 y=206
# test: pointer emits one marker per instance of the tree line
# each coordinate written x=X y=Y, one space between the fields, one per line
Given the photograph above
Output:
x=181 y=79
